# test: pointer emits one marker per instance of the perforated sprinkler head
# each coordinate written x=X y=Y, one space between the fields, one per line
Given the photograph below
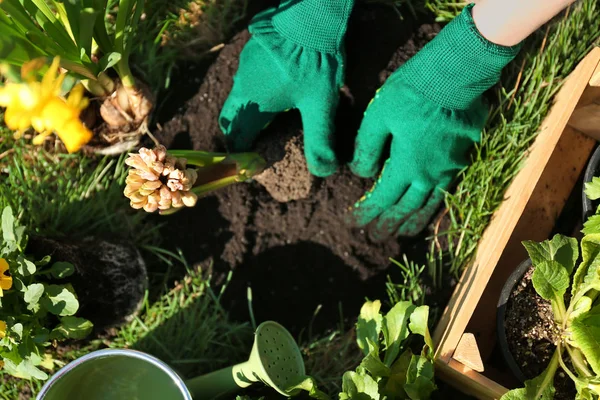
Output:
x=275 y=360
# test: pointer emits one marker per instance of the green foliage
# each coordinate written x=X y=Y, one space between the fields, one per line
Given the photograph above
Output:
x=579 y=324
x=400 y=374
x=30 y=305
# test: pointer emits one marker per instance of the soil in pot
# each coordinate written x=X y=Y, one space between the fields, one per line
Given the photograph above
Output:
x=531 y=334
x=299 y=254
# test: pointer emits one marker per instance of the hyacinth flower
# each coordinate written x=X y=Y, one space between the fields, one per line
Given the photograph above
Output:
x=76 y=31
x=31 y=103
x=169 y=180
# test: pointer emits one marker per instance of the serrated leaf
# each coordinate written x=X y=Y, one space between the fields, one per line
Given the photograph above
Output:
x=8 y=223
x=585 y=335
x=59 y=301
x=592 y=225
x=420 y=378
x=395 y=330
x=562 y=249
x=359 y=387
x=32 y=296
x=368 y=326
x=550 y=280
x=538 y=388
x=74 y=328
x=592 y=189
x=309 y=385
x=587 y=272
x=62 y=269
x=25 y=267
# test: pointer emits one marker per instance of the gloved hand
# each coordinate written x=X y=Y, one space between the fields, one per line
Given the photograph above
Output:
x=293 y=60
x=433 y=109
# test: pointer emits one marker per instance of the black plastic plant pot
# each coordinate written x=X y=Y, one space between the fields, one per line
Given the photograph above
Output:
x=512 y=280
x=593 y=169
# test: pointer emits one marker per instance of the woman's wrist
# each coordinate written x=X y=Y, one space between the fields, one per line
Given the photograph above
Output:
x=509 y=22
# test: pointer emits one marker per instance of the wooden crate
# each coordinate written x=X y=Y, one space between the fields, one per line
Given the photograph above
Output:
x=466 y=334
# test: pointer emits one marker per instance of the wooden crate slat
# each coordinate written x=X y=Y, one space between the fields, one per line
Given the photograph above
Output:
x=475 y=277
x=468 y=381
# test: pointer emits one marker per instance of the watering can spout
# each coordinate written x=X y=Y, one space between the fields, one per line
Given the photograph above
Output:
x=221 y=382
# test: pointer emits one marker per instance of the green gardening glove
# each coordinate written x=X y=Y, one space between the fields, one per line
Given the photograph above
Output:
x=293 y=60
x=433 y=109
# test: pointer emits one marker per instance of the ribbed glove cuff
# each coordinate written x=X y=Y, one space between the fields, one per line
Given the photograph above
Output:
x=458 y=65
x=316 y=24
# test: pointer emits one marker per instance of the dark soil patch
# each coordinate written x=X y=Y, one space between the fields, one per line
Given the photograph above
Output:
x=532 y=334
x=301 y=254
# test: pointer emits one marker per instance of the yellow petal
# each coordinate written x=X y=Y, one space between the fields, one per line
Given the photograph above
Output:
x=74 y=135
x=39 y=139
x=3 y=266
x=48 y=81
x=5 y=282
x=2 y=329
x=76 y=99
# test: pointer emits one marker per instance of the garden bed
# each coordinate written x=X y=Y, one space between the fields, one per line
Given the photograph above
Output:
x=294 y=254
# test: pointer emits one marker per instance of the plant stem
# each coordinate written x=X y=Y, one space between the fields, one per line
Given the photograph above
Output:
x=563 y=365
x=549 y=374
x=559 y=309
x=578 y=361
x=125 y=73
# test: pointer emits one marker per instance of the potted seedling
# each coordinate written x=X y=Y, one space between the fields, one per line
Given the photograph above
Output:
x=549 y=320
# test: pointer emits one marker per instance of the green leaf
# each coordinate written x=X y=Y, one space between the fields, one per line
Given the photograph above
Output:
x=368 y=326
x=420 y=378
x=25 y=267
x=59 y=301
x=583 y=306
x=87 y=19
x=419 y=326
x=372 y=364
x=539 y=388
x=8 y=223
x=24 y=370
x=592 y=189
x=587 y=272
x=74 y=328
x=550 y=280
x=359 y=387
x=32 y=296
x=109 y=60
x=309 y=385
x=62 y=269
x=394 y=387
x=18 y=330
x=585 y=335
x=395 y=330
x=592 y=225
x=562 y=249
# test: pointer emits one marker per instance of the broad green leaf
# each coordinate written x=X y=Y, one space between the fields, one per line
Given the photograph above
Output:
x=109 y=60
x=368 y=326
x=419 y=326
x=74 y=328
x=25 y=267
x=585 y=335
x=59 y=301
x=420 y=378
x=539 y=388
x=395 y=330
x=62 y=269
x=44 y=261
x=561 y=249
x=592 y=225
x=359 y=387
x=32 y=296
x=24 y=370
x=309 y=385
x=372 y=363
x=592 y=189
x=395 y=384
x=8 y=223
x=550 y=280
x=18 y=330
x=587 y=272
x=583 y=305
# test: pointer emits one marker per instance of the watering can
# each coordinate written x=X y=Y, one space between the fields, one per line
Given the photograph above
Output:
x=117 y=374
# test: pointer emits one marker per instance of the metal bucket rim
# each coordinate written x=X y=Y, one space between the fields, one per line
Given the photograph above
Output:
x=122 y=352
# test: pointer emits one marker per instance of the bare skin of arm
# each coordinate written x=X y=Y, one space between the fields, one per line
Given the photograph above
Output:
x=508 y=22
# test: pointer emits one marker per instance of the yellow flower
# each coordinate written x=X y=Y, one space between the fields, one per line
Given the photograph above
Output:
x=39 y=105
x=2 y=330
x=5 y=280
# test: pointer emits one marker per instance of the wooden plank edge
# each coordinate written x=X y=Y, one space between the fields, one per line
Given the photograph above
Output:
x=468 y=381
x=458 y=312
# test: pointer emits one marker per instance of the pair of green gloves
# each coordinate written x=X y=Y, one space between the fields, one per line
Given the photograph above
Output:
x=432 y=106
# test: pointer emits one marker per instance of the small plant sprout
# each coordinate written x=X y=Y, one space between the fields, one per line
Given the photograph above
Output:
x=556 y=270
x=161 y=180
